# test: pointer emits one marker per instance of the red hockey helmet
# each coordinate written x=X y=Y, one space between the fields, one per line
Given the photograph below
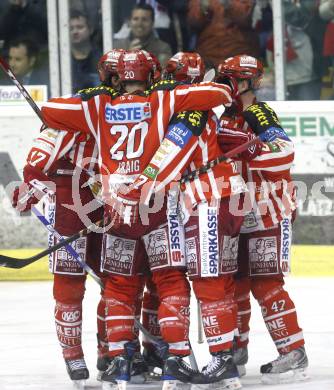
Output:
x=241 y=67
x=156 y=67
x=135 y=65
x=107 y=65
x=184 y=66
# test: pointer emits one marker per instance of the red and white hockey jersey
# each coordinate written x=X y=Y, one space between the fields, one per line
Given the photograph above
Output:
x=128 y=129
x=272 y=194
x=192 y=149
x=52 y=145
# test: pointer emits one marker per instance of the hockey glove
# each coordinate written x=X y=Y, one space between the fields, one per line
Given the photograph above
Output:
x=36 y=184
x=123 y=209
x=229 y=139
x=232 y=83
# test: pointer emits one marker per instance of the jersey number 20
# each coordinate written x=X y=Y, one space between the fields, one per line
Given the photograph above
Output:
x=128 y=136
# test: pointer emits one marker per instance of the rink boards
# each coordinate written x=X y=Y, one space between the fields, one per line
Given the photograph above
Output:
x=307 y=260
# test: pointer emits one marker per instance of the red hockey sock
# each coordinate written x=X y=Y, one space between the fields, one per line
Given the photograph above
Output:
x=150 y=312
x=216 y=296
x=279 y=313
x=102 y=340
x=121 y=294
x=68 y=320
x=68 y=291
x=242 y=297
x=173 y=314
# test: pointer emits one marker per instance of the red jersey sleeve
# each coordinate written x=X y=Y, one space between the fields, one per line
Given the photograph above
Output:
x=275 y=156
x=50 y=146
x=70 y=114
x=203 y=96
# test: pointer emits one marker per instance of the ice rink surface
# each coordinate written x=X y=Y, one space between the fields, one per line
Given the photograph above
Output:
x=30 y=357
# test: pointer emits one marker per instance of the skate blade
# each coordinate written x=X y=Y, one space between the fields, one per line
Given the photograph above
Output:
x=228 y=384
x=119 y=385
x=137 y=379
x=175 y=385
x=291 y=376
x=152 y=378
x=79 y=384
x=241 y=370
x=99 y=376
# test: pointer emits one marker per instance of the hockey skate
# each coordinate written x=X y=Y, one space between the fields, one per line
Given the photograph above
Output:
x=78 y=372
x=154 y=364
x=177 y=374
x=287 y=368
x=240 y=359
x=117 y=375
x=220 y=373
x=102 y=364
x=138 y=369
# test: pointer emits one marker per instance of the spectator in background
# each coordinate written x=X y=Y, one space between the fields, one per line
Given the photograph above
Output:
x=23 y=60
x=24 y=18
x=91 y=8
x=263 y=24
x=223 y=28
x=168 y=20
x=182 y=30
x=142 y=35
x=121 y=15
x=302 y=82
x=316 y=31
x=326 y=11
x=84 y=55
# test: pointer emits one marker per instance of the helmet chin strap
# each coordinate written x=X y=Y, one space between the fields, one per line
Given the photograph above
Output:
x=250 y=88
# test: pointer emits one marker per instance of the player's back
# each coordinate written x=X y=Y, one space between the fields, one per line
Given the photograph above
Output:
x=128 y=133
x=129 y=128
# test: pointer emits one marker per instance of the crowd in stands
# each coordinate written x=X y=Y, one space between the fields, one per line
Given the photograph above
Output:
x=215 y=29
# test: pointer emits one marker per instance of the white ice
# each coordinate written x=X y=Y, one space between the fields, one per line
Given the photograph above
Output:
x=30 y=357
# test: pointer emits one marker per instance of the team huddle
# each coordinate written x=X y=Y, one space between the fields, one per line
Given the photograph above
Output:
x=142 y=152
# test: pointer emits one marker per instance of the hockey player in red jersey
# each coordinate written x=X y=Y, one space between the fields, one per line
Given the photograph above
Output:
x=128 y=129
x=198 y=131
x=210 y=225
x=67 y=161
x=265 y=239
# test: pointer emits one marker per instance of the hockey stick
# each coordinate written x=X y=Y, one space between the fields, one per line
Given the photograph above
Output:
x=13 y=262
x=195 y=173
x=200 y=336
x=6 y=68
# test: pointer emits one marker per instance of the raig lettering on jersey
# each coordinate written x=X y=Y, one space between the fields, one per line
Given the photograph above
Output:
x=127 y=112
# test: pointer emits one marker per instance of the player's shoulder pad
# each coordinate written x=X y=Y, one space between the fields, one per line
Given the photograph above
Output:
x=163 y=85
x=260 y=116
x=88 y=93
x=195 y=121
